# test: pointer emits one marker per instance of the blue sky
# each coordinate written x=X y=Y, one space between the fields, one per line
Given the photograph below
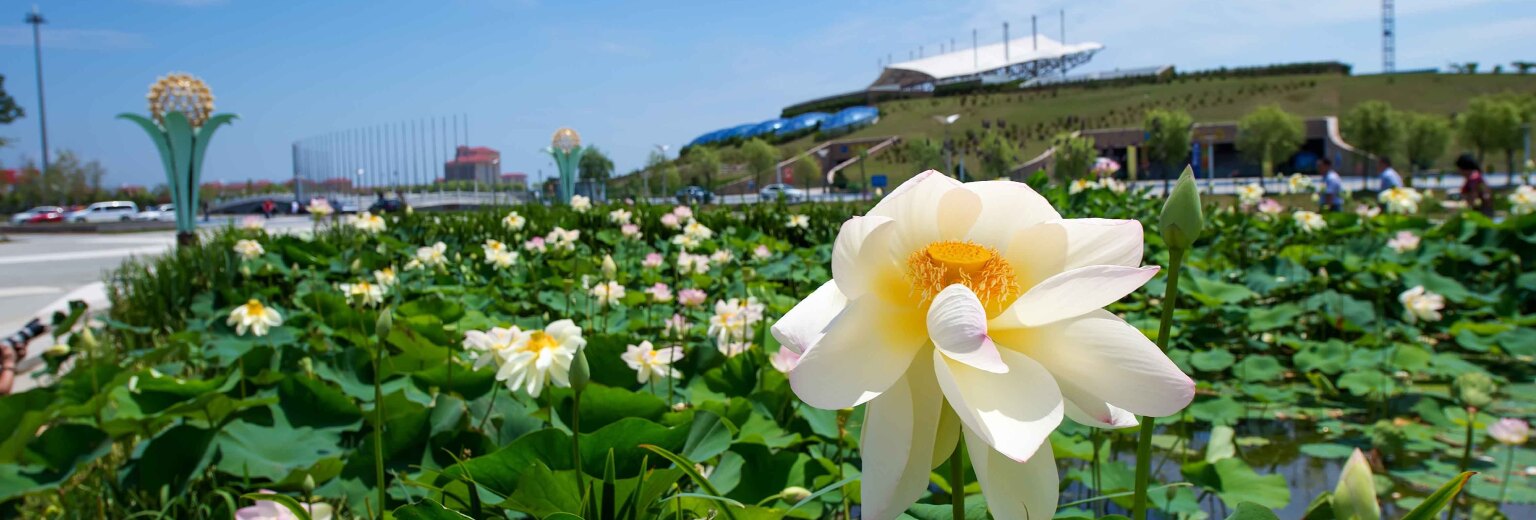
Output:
x=627 y=75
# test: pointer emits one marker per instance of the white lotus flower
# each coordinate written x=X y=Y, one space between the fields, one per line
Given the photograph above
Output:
x=563 y=239
x=253 y=223
x=1271 y=207
x=1401 y=200
x=486 y=347
x=320 y=208
x=1250 y=194
x=620 y=216
x=1300 y=183
x=982 y=296
x=1523 y=200
x=691 y=297
x=722 y=257
x=692 y=264
x=1403 y=242
x=513 y=221
x=734 y=318
x=660 y=293
x=670 y=221
x=1079 y=186
x=1421 y=305
x=608 y=293
x=580 y=203
x=368 y=223
x=501 y=258
x=385 y=277
x=363 y=293
x=541 y=357
x=269 y=510
x=1511 y=431
x=1367 y=211
x=249 y=249
x=434 y=255
x=255 y=317
x=798 y=222
x=630 y=231
x=761 y=252
x=649 y=362
x=1309 y=221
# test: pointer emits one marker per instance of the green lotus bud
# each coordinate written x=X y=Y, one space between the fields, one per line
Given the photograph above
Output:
x=581 y=373
x=1474 y=389
x=386 y=322
x=794 y=494
x=309 y=484
x=1355 y=496
x=88 y=338
x=609 y=267
x=1181 y=221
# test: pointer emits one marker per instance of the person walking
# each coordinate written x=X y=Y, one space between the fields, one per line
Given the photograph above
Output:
x=268 y=207
x=1333 y=186
x=1474 y=189
x=1388 y=178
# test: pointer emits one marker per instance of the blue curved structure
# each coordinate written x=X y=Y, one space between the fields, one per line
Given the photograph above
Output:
x=770 y=126
x=851 y=118
x=802 y=122
x=845 y=120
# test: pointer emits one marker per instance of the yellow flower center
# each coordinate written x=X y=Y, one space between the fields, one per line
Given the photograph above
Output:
x=977 y=267
x=540 y=340
x=254 y=308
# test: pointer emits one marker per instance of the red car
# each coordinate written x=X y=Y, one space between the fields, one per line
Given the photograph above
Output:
x=39 y=214
x=46 y=216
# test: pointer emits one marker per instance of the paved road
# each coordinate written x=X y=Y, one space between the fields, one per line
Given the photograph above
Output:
x=35 y=270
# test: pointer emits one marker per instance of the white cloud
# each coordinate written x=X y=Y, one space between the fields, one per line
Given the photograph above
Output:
x=74 y=39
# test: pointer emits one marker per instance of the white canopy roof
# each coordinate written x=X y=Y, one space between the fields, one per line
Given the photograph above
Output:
x=992 y=57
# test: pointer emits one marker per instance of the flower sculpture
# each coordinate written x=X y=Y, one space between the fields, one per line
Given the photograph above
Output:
x=181 y=124
x=977 y=302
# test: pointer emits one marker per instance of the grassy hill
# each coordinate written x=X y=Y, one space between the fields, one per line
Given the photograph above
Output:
x=1037 y=115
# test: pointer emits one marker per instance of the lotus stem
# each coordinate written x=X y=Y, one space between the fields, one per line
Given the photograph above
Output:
x=1466 y=461
x=576 y=442
x=1509 y=466
x=957 y=481
x=378 y=426
x=1144 y=439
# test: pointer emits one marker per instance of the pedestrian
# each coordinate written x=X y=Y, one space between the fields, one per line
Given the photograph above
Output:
x=293 y=207
x=1389 y=178
x=205 y=211
x=1333 y=186
x=268 y=207
x=1474 y=189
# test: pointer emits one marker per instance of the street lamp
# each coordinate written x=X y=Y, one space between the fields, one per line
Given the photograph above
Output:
x=36 y=19
x=949 y=161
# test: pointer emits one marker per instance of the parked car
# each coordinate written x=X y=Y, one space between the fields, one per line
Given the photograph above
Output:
x=157 y=213
x=111 y=211
x=783 y=192
x=694 y=195
x=346 y=208
x=29 y=216
x=387 y=206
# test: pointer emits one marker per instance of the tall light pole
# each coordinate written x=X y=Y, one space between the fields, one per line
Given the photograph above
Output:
x=36 y=19
x=663 y=149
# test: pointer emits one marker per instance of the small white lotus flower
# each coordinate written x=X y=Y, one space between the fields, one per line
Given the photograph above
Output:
x=1250 y=195
x=649 y=362
x=608 y=293
x=363 y=293
x=535 y=245
x=761 y=252
x=1421 y=305
x=675 y=326
x=722 y=256
x=487 y=347
x=691 y=297
x=682 y=212
x=249 y=249
x=692 y=264
x=1367 y=211
x=1079 y=186
x=541 y=357
x=1511 y=431
x=630 y=231
x=1271 y=207
x=670 y=221
x=501 y=258
x=1403 y=242
x=784 y=360
x=513 y=221
x=1309 y=221
x=660 y=293
x=320 y=208
x=620 y=216
x=434 y=255
x=368 y=223
x=1523 y=200
x=255 y=317
x=269 y=510
x=252 y=223
x=562 y=239
x=799 y=222
x=652 y=260
x=733 y=319
x=1401 y=200
x=1300 y=183
x=580 y=203
x=385 y=277
x=733 y=348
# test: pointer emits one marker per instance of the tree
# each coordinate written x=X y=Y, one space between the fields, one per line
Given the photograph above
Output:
x=1074 y=156
x=9 y=110
x=703 y=165
x=594 y=165
x=1373 y=126
x=760 y=157
x=1167 y=138
x=1269 y=133
x=1426 y=138
x=1524 y=67
x=807 y=169
x=1491 y=124
x=998 y=155
x=661 y=174
x=925 y=155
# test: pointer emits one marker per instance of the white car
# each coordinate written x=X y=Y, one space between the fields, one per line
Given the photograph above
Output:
x=157 y=213
x=27 y=216
x=112 y=211
x=781 y=191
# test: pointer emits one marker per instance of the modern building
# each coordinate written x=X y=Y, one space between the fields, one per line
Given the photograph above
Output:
x=473 y=164
x=1019 y=59
x=515 y=178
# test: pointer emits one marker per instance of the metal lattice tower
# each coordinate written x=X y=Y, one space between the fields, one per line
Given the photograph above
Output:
x=1388 y=37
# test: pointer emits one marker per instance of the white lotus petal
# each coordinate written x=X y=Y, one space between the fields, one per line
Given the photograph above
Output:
x=1083 y=407
x=947 y=438
x=957 y=323
x=1014 y=412
x=898 y=441
x=1016 y=490
x=862 y=245
x=1006 y=208
x=865 y=350
x=1073 y=293
x=1047 y=249
x=807 y=322
x=1107 y=358
x=928 y=208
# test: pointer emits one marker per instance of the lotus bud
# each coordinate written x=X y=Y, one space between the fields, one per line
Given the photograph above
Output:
x=57 y=350
x=581 y=373
x=88 y=338
x=609 y=268
x=309 y=484
x=1355 y=496
x=386 y=322
x=794 y=494
x=1181 y=221
x=1474 y=389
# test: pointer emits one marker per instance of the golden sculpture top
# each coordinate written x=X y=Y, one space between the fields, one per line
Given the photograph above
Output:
x=565 y=140
x=181 y=92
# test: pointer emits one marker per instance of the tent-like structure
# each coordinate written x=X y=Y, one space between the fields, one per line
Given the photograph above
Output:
x=1020 y=59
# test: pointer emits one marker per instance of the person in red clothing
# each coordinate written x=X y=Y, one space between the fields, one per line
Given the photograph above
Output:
x=1474 y=189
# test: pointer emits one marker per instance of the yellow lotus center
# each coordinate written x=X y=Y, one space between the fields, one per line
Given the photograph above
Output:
x=975 y=266
x=540 y=340
x=254 y=308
